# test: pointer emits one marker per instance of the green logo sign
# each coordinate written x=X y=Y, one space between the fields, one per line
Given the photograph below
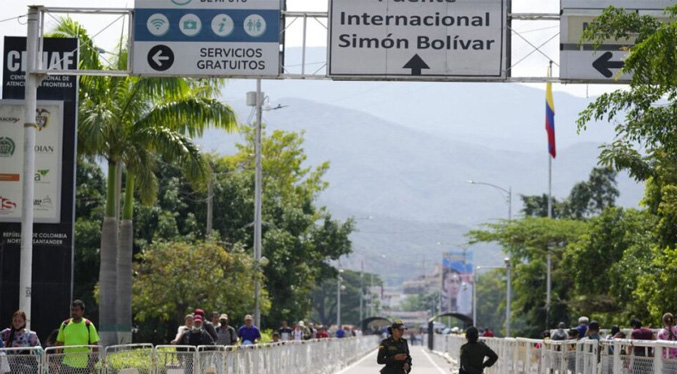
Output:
x=7 y=147
x=41 y=174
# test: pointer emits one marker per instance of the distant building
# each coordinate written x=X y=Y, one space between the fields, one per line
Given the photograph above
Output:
x=424 y=283
x=411 y=319
x=392 y=298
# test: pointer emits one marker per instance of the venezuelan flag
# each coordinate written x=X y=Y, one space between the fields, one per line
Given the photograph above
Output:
x=550 y=119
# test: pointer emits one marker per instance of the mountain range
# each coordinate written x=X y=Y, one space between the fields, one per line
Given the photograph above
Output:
x=401 y=154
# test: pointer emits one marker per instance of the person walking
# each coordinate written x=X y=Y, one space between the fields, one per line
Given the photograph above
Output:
x=560 y=334
x=641 y=333
x=249 y=334
x=78 y=330
x=393 y=352
x=582 y=326
x=206 y=325
x=669 y=333
x=197 y=335
x=182 y=329
x=285 y=331
x=18 y=336
x=474 y=352
x=226 y=333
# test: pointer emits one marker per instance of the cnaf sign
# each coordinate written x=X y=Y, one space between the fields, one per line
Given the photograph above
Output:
x=16 y=60
x=52 y=242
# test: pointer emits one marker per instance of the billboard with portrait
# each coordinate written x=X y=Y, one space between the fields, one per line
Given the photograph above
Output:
x=457 y=283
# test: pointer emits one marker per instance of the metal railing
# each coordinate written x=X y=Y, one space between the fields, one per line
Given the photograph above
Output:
x=532 y=356
x=299 y=357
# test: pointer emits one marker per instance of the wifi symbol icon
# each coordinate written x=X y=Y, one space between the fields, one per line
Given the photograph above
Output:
x=158 y=24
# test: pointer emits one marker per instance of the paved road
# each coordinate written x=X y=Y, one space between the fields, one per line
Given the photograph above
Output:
x=424 y=363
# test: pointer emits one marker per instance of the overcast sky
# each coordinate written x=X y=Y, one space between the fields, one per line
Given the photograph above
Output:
x=535 y=32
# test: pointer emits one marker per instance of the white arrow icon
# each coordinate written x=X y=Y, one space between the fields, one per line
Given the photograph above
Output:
x=158 y=58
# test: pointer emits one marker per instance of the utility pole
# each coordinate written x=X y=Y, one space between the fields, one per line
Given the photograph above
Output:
x=210 y=206
x=361 y=290
x=255 y=99
x=30 y=107
x=338 y=301
x=508 y=297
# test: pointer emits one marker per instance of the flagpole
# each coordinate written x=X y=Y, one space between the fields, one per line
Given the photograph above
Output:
x=549 y=257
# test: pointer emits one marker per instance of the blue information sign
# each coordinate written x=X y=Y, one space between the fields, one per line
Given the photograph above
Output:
x=199 y=38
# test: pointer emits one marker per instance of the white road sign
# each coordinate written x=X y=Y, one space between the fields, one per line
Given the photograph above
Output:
x=417 y=40
x=580 y=61
x=233 y=38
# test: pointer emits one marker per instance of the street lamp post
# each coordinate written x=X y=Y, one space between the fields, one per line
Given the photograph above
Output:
x=256 y=99
x=508 y=192
x=361 y=289
x=339 y=287
x=508 y=297
x=507 y=259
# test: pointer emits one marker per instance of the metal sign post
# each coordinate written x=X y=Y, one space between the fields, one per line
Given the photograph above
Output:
x=31 y=97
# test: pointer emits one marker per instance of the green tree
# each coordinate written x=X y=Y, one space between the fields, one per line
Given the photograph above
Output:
x=646 y=143
x=173 y=278
x=537 y=206
x=427 y=301
x=491 y=289
x=590 y=198
x=528 y=242
x=586 y=199
x=324 y=298
x=607 y=263
x=89 y=206
x=298 y=237
x=127 y=120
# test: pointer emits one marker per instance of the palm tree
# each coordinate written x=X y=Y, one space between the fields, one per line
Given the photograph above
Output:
x=127 y=121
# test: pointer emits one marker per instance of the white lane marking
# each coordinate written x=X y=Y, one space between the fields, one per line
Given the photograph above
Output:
x=433 y=362
x=356 y=363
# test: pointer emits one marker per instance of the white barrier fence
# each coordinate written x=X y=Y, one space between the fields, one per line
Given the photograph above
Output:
x=532 y=356
x=321 y=356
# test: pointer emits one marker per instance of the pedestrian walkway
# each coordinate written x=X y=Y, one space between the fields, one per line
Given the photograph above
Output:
x=424 y=362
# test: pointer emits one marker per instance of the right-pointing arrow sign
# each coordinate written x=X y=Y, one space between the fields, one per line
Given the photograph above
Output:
x=604 y=64
x=416 y=64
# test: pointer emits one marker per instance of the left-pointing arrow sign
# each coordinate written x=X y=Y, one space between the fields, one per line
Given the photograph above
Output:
x=604 y=64
x=160 y=57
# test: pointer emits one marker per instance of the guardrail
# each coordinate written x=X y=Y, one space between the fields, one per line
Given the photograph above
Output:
x=533 y=356
x=319 y=356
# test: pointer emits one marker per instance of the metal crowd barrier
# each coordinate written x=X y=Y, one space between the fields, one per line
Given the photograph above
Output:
x=321 y=356
x=532 y=356
x=21 y=360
